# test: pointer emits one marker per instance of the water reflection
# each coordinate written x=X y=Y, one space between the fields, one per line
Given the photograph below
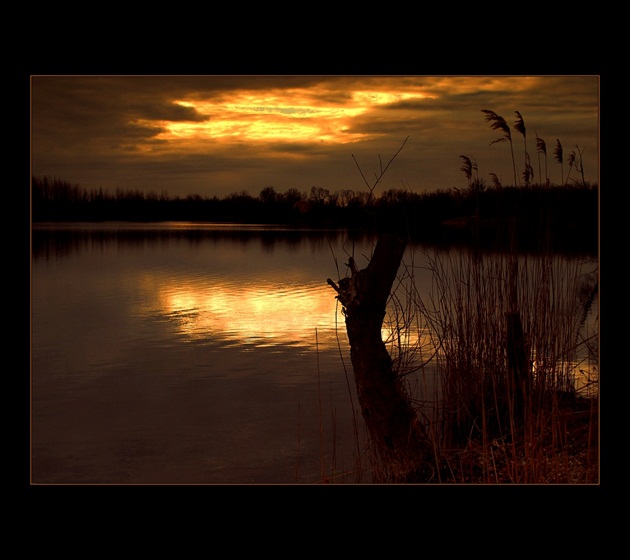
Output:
x=240 y=285
x=170 y=354
x=260 y=314
x=56 y=241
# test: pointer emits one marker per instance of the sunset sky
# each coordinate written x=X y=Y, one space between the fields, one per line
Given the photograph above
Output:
x=214 y=135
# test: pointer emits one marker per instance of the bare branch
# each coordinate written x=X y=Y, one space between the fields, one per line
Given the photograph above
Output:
x=377 y=178
x=360 y=171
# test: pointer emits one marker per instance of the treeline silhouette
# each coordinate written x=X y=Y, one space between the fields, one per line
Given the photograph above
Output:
x=533 y=217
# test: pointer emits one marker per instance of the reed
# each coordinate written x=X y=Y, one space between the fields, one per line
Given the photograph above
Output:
x=497 y=122
x=449 y=349
x=467 y=168
x=571 y=161
x=579 y=163
x=541 y=148
x=519 y=125
x=558 y=155
x=481 y=404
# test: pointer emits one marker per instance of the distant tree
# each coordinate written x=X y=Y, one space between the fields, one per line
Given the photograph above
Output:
x=239 y=195
x=345 y=197
x=361 y=199
x=292 y=196
x=319 y=194
x=268 y=195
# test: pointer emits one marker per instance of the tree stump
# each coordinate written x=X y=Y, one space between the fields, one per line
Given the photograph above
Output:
x=404 y=451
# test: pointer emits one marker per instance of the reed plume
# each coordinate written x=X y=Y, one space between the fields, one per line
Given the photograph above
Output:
x=495 y=180
x=467 y=168
x=497 y=122
x=571 y=162
x=519 y=125
x=528 y=172
x=557 y=154
x=541 y=148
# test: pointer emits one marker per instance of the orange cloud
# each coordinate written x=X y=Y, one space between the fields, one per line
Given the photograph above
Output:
x=281 y=115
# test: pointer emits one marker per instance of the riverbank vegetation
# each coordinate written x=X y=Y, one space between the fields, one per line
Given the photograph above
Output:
x=540 y=217
x=499 y=361
x=514 y=345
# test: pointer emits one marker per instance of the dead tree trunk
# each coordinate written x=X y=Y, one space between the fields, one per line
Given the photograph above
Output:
x=404 y=451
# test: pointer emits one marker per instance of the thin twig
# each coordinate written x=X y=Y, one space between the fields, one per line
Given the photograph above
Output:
x=383 y=170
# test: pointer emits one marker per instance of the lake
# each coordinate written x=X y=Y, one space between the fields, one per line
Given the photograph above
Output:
x=197 y=354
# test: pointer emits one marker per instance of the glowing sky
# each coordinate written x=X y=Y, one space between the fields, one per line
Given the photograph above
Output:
x=214 y=135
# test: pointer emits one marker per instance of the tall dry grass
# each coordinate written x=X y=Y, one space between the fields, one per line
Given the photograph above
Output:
x=450 y=347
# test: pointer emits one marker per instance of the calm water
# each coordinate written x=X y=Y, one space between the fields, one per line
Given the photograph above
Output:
x=191 y=354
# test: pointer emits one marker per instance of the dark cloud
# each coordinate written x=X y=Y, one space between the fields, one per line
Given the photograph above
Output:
x=169 y=111
x=104 y=130
x=137 y=132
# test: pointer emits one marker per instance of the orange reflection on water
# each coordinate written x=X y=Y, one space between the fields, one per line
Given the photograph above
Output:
x=269 y=314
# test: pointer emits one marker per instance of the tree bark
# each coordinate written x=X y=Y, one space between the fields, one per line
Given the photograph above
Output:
x=404 y=451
